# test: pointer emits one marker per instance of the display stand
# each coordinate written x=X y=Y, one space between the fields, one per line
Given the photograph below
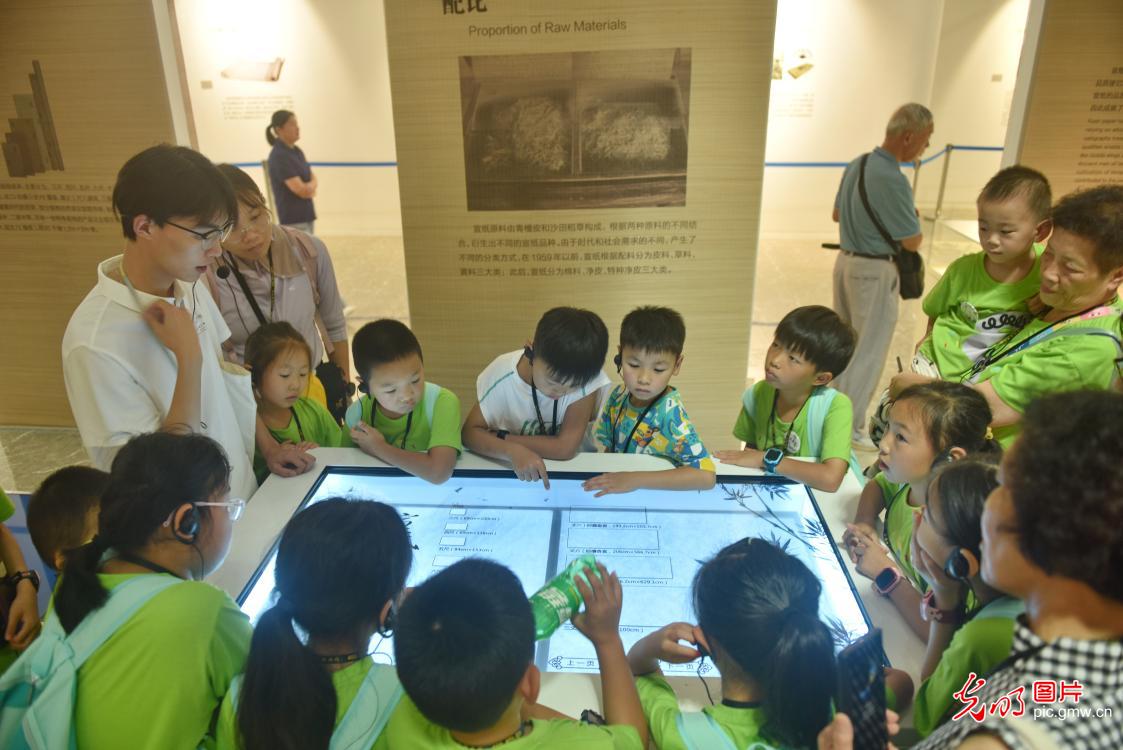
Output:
x=277 y=500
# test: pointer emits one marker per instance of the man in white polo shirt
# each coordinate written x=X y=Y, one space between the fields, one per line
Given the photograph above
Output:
x=142 y=352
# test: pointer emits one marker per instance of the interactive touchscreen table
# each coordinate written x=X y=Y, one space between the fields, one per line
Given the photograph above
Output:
x=655 y=541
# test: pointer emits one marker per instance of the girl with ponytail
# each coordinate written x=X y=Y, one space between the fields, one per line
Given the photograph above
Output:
x=290 y=174
x=967 y=633
x=340 y=569
x=758 y=619
x=930 y=425
x=157 y=681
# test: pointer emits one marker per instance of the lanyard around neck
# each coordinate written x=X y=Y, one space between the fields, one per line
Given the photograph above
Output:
x=232 y=264
x=299 y=428
x=143 y=563
x=538 y=411
x=997 y=352
x=791 y=425
x=409 y=419
x=636 y=424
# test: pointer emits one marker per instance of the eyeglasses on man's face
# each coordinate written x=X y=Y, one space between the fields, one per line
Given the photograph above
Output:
x=210 y=236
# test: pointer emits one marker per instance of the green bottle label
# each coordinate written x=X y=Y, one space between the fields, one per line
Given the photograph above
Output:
x=557 y=601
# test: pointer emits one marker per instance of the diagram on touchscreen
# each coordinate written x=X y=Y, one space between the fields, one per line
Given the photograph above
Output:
x=654 y=540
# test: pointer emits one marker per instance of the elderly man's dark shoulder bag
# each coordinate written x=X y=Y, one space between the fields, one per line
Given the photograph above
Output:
x=910 y=266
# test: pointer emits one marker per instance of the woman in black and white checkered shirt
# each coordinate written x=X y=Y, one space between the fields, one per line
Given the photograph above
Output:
x=1052 y=535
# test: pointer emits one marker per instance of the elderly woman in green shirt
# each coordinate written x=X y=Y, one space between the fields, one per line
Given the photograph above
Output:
x=1075 y=341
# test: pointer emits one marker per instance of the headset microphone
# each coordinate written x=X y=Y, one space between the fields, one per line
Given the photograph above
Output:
x=223 y=271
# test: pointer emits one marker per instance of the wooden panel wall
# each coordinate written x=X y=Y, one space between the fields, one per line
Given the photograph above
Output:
x=103 y=83
x=488 y=253
x=1074 y=118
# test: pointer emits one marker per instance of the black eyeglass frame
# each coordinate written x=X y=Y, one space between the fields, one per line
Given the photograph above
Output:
x=221 y=233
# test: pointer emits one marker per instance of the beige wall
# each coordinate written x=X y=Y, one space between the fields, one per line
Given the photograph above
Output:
x=463 y=318
x=105 y=85
x=1079 y=55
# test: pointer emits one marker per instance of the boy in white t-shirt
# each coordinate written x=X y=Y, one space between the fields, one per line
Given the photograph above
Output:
x=537 y=402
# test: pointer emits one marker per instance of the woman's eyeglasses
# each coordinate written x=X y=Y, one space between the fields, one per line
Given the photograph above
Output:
x=234 y=506
x=259 y=224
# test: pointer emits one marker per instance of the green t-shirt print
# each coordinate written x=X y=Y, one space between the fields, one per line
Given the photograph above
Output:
x=445 y=429
x=973 y=312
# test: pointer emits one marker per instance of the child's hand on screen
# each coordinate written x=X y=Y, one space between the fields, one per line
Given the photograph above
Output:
x=599 y=621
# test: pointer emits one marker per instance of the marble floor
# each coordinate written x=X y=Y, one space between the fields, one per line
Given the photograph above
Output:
x=371 y=273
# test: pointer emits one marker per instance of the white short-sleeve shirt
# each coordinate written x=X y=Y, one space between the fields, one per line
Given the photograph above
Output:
x=120 y=378
x=507 y=403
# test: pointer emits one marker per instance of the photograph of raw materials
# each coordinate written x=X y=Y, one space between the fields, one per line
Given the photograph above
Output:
x=603 y=129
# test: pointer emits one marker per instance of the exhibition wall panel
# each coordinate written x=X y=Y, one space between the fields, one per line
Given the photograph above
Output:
x=326 y=62
x=81 y=90
x=980 y=42
x=1074 y=117
x=867 y=57
x=573 y=154
x=843 y=67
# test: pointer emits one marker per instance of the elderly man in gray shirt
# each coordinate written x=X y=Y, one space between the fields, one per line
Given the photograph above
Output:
x=865 y=277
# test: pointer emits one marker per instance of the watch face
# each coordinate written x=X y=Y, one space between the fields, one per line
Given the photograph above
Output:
x=885 y=579
x=773 y=455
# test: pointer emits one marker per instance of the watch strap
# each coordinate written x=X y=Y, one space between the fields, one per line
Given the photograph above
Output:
x=888 y=589
x=21 y=575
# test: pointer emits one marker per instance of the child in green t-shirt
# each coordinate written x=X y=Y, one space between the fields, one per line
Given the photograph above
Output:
x=280 y=362
x=758 y=620
x=929 y=424
x=22 y=624
x=401 y=419
x=62 y=513
x=464 y=649
x=985 y=295
x=340 y=569
x=947 y=552
x=792 y=412
x=157 y=681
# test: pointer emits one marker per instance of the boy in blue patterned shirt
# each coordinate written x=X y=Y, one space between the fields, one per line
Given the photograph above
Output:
x=645 y=414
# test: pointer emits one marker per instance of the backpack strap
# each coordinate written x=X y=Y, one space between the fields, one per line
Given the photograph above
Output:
x=37 y=692
x=750 y=403
x=818 y=405
x=699 y=731
x=368 y=713
x=357 y=411
x=370 y=710
x=432 y=392
x=360 y=407
x=124 y=601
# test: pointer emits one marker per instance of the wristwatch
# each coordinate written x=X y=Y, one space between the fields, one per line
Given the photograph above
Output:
x=20 y=575
x=502 y=434
x=887 y=580
x=929 y=612
x=772 y=459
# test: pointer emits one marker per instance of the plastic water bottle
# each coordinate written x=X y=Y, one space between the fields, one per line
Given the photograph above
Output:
x=559 y=600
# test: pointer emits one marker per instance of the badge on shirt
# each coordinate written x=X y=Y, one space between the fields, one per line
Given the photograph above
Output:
x=794 y=443
x=969 y=312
